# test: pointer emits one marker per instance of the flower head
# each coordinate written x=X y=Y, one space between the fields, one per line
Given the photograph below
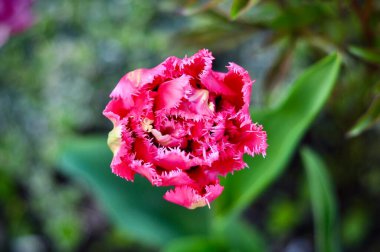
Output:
x=181 y=124
x=15 y=17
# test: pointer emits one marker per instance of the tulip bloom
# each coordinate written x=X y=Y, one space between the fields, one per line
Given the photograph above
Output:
x=181 y=124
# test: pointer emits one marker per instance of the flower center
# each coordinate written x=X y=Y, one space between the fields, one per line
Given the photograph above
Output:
x=146 y=124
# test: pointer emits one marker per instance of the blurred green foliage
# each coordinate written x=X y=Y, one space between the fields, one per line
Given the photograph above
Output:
x=56 y=189
x=137 y=207
x=294 y=114
x=323 y=202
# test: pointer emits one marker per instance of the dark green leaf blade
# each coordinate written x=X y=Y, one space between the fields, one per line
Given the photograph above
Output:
x=136 y=208
x=238 y=236
x=285 y=125
x=195 y=243
x=365 y=54
x=368 y=119
x=242 y=236
x=323 y=202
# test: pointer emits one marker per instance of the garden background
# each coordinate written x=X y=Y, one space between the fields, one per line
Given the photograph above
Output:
x=317 y=93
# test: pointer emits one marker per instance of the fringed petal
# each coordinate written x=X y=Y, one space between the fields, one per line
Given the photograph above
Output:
x=248 y=137
x=172 y=159
x=214 y=83
x=229 y=162
x=255 y=140
x=190 y=198
x=120 y=166
x=197 y=102
x=239 y=81
x=198 y=64
x=212 y=192
x=175 y=178
x=200 y=129
x=120 y=142
x=203 y=154
x=172 y=67
x=133 y=83
x=115 y=110
x=120 y=145
x=170 y=93
x=218 y=129
x=144 y=150
x=185 y=196
x=147 y=170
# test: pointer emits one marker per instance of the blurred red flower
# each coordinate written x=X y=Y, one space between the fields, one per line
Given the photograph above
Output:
x=15 y=17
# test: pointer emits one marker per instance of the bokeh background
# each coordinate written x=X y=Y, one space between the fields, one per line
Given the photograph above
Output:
x=55 y=78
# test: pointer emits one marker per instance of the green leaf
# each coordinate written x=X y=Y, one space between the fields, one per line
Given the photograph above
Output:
x=192 y=8
x=242 y=236
x=213 y=30
x=240 y=6
x=323 y=202
x=239 y=236
x=285 y=126
x=356 y=225
x=302 y=15
x=365 y=54
x=282 y=216
x=136 y=208
x=370 y=117
x=195 y=244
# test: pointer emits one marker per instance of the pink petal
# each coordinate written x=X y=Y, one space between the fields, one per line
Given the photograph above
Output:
x=229 y=161
x=120 y=167
x=147 y=170
x=166 y=140
x=198 y=64
x=170 y=132
x=185 y=196
x=240 y=82
x=203 y=154
x=202 y=176
x=249 y=137
x=190 y=198
x=184 y=111
x=172 y=159
x=200 y=129
x=218 y=129
x=175 y=178
x=212 y=192
x=214 y=83
x=118 y=108
x=255 y=140
x=197 y=102
x=144 y=150
x=172 y=67
x=115 y=110
x=123 y=156
x=170 y=93
x=131 y=83
x=142 y=103
x=234 y=86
